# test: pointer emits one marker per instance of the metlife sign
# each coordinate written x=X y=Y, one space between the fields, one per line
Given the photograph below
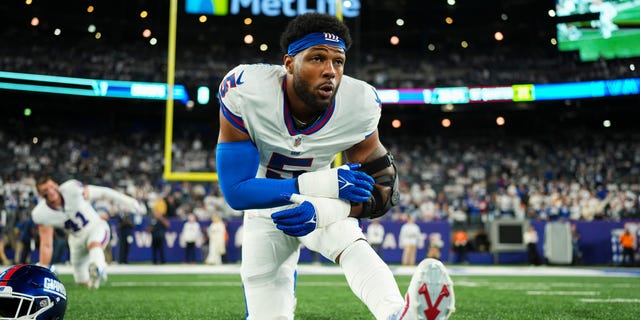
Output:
x=271 y=8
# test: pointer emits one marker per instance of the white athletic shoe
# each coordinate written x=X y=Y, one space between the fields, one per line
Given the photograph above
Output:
x=430 y=295
x=97 y=276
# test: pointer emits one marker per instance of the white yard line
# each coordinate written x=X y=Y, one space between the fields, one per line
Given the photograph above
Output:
x=397 y=270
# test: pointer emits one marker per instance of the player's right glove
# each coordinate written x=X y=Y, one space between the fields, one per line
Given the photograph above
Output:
x=344 y=182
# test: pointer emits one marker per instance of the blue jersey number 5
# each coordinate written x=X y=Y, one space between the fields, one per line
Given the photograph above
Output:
x=278 y=162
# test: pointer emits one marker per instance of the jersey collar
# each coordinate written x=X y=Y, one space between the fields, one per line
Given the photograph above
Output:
x=288 y=119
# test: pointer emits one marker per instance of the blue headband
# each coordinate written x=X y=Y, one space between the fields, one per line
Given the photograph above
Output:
x=313 y=39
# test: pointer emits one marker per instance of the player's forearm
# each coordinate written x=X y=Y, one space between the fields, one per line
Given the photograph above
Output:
x=96 y=192
x=46 y=252
x=237 y=164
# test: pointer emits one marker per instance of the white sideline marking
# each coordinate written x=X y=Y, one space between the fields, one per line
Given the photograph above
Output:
x=617 y=300
x=563 y=293
x=323 y=269
x=210 y=284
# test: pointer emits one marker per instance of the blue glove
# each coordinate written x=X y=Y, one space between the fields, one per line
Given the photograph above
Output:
x=354 y=185
x=297 y=221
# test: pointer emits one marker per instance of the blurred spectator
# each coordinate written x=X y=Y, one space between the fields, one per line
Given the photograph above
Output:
x=60 y=245
x=409 y=239
x=26 y=230
x=460 y=245
x=628 y=244
x=158 y=229
x=3 y=223
x=218 y=237
x=190 y=237
x=530 y=237
x=124 y=225
x=375 y=236
x=575 y=245
x=237 y=242
x=481 y=241
x=435 y=246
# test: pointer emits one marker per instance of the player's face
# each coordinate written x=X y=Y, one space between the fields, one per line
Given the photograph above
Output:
x=49 y=191
x=317 y=75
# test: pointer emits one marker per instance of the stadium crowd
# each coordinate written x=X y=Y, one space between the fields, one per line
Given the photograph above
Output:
x=466 y=180
x=382 y=67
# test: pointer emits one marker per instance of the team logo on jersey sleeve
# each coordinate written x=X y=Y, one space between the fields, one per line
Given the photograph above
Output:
x=230 y=82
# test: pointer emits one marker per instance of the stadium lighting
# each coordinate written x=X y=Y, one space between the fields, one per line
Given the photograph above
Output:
x=396 y=123
x=57 y=31
x=35 y=21
x=248 y=39
x=400 y=22
x=498 y=36
x=394 y=40
x=202 y=18
x=446 y=123
x=606 y=123
x=90 y=9
x=203 y=95
x=500 y=121
x=143 y=14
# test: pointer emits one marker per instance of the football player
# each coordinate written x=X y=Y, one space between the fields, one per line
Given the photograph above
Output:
x=68 y=206
x=281 y=127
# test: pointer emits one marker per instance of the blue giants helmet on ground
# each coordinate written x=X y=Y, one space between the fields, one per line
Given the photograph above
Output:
x=31 y=292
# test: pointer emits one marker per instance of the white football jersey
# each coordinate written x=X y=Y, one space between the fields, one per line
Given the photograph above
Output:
x=252 y=98
x=76 y=214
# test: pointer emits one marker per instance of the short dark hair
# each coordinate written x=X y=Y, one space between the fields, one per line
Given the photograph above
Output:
x=42 y=180
x=307 y=23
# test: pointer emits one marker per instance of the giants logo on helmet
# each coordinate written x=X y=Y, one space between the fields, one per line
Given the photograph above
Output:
x=54 y=286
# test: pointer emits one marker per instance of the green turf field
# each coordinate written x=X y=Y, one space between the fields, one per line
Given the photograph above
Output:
x=323 y=297
x=623 y=43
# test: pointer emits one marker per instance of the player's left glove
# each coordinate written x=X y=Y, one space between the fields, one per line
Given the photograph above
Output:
x=312 y=213
x=297 y=221
x=344 y=182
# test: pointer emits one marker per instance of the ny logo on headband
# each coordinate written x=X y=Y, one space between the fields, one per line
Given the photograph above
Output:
x=331 y=37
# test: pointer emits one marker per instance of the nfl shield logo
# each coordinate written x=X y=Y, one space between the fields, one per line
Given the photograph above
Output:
x=297 y=141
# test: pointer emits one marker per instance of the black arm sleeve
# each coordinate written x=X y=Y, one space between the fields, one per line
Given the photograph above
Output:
x=385 y=192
